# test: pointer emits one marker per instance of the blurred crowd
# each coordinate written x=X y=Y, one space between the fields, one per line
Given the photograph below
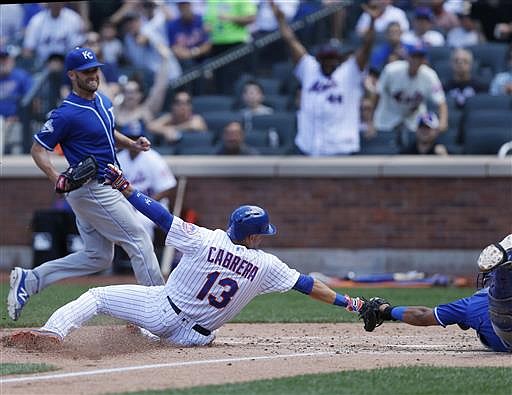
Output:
x=461 y=51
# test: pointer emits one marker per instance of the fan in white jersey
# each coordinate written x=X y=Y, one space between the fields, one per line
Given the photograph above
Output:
x=148 y=172
x=220 y=272
x=332 y=88
x=403 y=90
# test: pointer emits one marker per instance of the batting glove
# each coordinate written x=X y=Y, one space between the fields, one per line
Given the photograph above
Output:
x=114 y=177
x=354 y=304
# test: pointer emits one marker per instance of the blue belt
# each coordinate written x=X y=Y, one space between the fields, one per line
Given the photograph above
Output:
x=198 y=328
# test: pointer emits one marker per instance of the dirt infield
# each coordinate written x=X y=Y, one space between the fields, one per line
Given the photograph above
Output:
x=101 y=359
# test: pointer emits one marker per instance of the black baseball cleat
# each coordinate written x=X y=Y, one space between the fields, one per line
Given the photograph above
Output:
x=495 y=255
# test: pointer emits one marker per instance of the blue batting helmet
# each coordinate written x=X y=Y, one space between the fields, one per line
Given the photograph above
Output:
x=249 y=220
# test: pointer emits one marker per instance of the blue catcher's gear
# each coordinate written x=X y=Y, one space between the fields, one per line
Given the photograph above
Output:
x=249 y=220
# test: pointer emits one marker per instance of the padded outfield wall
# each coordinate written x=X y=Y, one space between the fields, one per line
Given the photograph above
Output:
x=333 y=214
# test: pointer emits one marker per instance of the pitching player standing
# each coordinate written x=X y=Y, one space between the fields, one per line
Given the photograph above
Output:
x=84 y=125
x=220 y=272
x=328 y=119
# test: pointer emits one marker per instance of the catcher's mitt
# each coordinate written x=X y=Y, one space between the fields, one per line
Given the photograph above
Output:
x=372 y=316
x=74 y=177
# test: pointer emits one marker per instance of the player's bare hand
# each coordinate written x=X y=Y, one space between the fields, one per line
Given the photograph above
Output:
x=276 y=10
x=373 y=11
x=142 y=144
x=440 y=149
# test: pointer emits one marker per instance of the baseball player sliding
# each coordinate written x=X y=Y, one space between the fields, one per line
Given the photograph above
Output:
x=220 y=272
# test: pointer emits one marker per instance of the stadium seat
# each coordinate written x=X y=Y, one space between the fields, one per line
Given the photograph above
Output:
x=205 y=103
x=454 y=118
x=282 y=70
x=436 y=54
x=491 y=56
x=277 y=102
x=259 y=139
x=451 y=102
x=284 y=124
x=216 y=120
x=485 y=101
x=266 y=144
x=271 y=86
x=195 y=143
x=443 y=69
x=451 y=139
x=164 y=148
x=486 y=140
x=384 y=143
x=484 y=118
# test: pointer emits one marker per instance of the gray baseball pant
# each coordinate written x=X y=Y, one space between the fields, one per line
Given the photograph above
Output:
x=103 y=217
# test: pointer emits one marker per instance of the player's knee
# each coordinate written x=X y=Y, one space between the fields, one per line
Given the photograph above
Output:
x=500 y=311
x=95 y=293
x=98 y=295
x=101 y=258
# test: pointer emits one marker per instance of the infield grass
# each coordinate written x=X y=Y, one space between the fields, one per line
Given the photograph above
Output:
x=22 y=368
x=424 y=380
x=290 y=307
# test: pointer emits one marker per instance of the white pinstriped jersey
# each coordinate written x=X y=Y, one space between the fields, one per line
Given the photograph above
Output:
x=47 y=35
x=328 y=119
x=216 y=278
x=403 y=98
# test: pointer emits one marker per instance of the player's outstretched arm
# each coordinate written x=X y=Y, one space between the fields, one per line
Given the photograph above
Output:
x=412 y=315
x=377 y=310
x=296 y=48
x=147 y=206
x=320 y=291
x=364 y=52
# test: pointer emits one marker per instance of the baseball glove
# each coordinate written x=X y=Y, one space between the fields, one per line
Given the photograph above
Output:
x=371 y=314
x=74 y=177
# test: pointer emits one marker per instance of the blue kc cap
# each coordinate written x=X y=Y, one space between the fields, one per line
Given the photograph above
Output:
x=81 y=59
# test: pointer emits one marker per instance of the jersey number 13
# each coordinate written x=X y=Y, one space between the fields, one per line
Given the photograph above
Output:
x=230 y=287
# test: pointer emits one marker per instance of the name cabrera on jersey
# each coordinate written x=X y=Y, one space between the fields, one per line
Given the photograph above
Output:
x=216 y=278
x=82 y=127
x=328 y=119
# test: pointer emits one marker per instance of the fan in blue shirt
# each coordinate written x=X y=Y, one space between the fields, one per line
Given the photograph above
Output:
x=14 y=84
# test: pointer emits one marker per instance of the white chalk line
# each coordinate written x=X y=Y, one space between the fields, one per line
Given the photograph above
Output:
x=159 y=366
x=446 y=347
x=443 y=347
